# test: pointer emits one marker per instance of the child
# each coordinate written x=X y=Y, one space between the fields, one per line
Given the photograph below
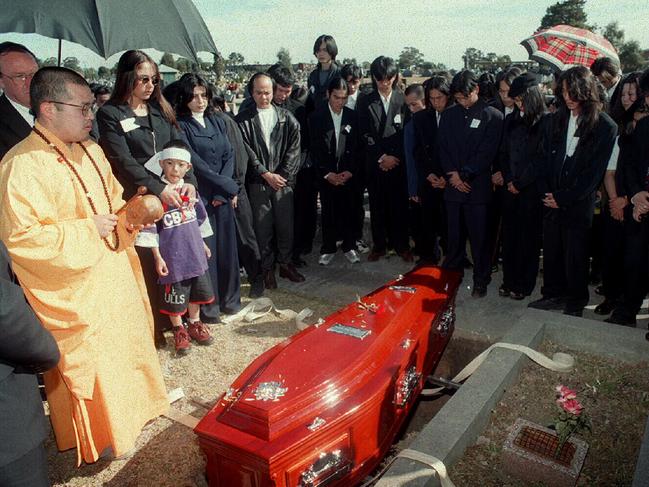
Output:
x=181 y=255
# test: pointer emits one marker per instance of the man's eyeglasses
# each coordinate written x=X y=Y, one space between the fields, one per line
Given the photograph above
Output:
x=19 y=77
x=87 y=109
x=146 y=79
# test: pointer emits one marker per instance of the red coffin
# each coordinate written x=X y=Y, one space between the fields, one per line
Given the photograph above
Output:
x=324 y=406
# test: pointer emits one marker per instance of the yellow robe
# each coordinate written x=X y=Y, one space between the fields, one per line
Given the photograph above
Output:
x=108 y=383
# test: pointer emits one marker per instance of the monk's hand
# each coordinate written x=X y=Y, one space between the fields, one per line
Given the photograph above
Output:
x=105 y=224
x=550 y=202
x=171 y=197
x=497 y=179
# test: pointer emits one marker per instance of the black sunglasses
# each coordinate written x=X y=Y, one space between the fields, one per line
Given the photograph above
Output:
x=145 y=79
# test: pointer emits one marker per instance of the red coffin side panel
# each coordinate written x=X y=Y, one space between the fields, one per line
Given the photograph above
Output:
x=323 y=407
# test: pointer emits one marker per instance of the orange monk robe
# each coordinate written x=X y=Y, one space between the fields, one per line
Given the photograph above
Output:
x=108 y=383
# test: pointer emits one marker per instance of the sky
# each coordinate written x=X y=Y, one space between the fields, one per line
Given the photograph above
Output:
x=440 y=29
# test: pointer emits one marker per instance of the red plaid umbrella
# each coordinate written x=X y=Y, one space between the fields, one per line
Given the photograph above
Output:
x=563 y=47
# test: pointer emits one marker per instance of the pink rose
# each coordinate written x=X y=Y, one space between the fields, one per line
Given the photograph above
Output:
x=565 y=392
x=572 y=406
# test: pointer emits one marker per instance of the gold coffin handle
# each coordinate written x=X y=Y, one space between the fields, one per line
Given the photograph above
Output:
x=327 y=468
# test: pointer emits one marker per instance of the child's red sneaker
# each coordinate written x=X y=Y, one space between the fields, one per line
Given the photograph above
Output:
x=182 y=340
x=200 y=332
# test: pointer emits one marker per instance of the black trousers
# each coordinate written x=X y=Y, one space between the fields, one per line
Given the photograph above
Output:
x=521 y=240
x=636 y=266
x=613 y=254
x=358 y=201
x=272 y=215
x=432 y=224
x=247 y=247
x=494 y=226
x=30 y=470
x=475 y=218
x=388 y=209
x=306 y=211
x=223 y=265
x=337 y=220
x=565 y=261
x=160 y=321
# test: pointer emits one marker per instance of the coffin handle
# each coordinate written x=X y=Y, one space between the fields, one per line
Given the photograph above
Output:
x=328 y=467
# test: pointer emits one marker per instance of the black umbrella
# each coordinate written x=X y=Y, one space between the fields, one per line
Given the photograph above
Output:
x=110 y=26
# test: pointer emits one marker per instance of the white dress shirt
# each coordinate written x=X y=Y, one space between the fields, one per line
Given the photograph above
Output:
x=571 y=140
x=386 y=102
x=351 y=101
x=337 y=119
x=24 y=112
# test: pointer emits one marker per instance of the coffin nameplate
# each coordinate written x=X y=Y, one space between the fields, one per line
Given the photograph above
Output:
x=351 y=331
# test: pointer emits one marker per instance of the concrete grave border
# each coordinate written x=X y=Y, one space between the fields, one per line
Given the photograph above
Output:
x=463 y=418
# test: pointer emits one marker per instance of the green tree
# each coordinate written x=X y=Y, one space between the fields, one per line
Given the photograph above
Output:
x=235 y=59
x=614 y=34
x=168 y=60
x=410 y=57
x=90 y=74
x=103 y=72
x=366 y=66
x=471 y=57
x=348 y=60
x=50 y=61
x=218 y=65
x=631 y=58
x=569 y=12
x=185 y=65
x=72 y=63
x=284 y=57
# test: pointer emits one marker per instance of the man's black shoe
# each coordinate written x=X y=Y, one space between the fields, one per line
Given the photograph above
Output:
x=298 y=262
x=605 y=307
x=256 y=288
x=269 y=280
x=503 y=291
x=289 y=272
x=548 y=304
x=517 y=296
x=479 y=291
x=620 y=320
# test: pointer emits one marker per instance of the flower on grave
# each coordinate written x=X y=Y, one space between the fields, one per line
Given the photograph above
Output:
x=570 y=417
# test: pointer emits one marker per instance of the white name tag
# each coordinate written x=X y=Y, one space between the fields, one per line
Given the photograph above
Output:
x=475 y=123
x=128 y=124
x=397 y=118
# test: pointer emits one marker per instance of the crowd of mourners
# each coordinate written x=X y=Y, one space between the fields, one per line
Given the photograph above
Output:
x=519 y=171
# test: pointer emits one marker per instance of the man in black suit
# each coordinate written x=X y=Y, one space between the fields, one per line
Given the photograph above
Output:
x=273 y=135
x=26 y=348
x=17 y=67
x=577 y=145
x=381 y=115
x=333 y=130
x=469 y=136
x=608 y=72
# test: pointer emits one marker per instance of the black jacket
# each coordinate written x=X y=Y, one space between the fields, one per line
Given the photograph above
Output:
x=635 y=165
x=521 y=151
x=243 y=154
x=25 y=349
x=382 y=133
x=128 y=151
x=326 y=158
x=212 y=157
x=426 y=146
x=469 y=140
x=317 y=90
x=574 y=181
x=283 y=155
x=13 y=127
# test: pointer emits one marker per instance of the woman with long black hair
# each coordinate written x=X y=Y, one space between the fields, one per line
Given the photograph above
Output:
x=213 y=161
x=135 y=124
x=577 y=145
x=519 y=157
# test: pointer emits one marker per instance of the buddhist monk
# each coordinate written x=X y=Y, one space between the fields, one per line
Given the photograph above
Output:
x=74 y=259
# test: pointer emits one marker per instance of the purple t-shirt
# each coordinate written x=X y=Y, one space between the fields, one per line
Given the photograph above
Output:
x=181 y=243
